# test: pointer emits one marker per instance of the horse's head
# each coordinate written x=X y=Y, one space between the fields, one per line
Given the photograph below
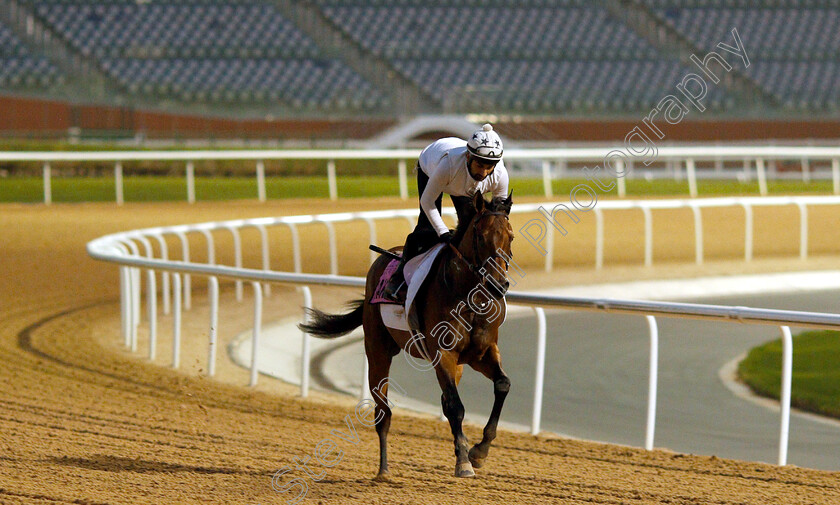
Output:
x=486 y=242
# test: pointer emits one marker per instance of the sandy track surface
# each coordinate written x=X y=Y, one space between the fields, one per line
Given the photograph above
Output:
x=83 y=422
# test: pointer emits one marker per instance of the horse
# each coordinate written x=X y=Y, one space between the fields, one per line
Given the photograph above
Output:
x=453 y=326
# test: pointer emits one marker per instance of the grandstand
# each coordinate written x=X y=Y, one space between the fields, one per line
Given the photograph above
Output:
x=794 y=46
x=548 y=58
x=318 y=59
x=19 y=67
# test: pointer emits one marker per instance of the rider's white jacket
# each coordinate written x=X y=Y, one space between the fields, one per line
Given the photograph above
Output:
x=445 y=162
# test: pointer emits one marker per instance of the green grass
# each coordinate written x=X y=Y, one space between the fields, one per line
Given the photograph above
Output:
x=173 y=188
x=816 y=371
x=168 y=188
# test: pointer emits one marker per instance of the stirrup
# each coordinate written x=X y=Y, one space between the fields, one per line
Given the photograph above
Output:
x=392 y=290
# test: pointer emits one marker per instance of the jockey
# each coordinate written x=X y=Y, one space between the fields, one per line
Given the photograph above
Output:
x=458 y=168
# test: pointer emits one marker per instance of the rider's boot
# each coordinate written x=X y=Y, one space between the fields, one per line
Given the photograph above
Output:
x=392 y=289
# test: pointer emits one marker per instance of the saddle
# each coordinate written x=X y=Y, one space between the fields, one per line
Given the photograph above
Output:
x=416 y=270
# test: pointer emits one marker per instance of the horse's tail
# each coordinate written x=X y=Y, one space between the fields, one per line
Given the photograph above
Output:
x=323 y=325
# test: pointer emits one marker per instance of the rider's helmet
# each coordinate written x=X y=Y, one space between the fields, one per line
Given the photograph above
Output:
x=486 y=144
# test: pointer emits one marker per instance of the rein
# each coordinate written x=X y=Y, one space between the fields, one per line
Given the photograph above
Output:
x=479 y=269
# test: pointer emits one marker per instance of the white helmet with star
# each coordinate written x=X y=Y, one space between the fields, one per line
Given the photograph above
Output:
x=486 y=144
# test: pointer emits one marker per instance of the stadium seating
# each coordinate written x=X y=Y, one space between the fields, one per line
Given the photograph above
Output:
x=793 y=47
x=20 y=68
x=158 y=30
x=554 y=85
x=304 y=83
x=532 y=56
x=509 y=56
x=423 y=32
x=216 y=51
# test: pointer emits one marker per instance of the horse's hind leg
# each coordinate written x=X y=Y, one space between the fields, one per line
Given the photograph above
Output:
x=453 y=409
x=379 y=354
x=490 y=366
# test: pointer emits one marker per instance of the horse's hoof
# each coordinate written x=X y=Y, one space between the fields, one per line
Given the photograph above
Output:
x=477 y=462
x=382 y=477
x=464 y=470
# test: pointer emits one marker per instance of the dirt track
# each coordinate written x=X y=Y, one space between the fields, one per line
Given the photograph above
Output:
x=83 y=422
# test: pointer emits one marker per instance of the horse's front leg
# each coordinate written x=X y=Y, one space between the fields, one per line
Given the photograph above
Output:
x=491 y=367
x=447 y=371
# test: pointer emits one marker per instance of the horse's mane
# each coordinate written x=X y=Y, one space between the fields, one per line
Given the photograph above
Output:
x=464 y=221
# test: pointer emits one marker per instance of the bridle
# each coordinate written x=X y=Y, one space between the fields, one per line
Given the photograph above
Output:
x=480 y=269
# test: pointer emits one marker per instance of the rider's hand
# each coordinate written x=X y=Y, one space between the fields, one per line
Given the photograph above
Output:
x=446 y=237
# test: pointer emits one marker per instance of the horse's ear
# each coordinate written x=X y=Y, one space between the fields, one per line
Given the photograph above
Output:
x=508 y=203
x=478 y=201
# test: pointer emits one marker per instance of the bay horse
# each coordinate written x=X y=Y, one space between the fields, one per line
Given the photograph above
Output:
x=453 y=327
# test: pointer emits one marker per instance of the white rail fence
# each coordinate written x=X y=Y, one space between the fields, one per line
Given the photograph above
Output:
x=124 y=249
x=676 y=158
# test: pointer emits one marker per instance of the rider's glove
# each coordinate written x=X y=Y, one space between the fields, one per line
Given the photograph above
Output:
x=446 y=237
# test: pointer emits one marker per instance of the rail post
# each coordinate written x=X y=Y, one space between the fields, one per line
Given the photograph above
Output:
x=190 y=182
x=185 y=256
x=305 y=352
x=134 y=318
x=213 y=289
x=176 y=320
x=261 y=181
x=621 y=181
x=296 y=259
x=698 y=234
x=546 y=174
x=748 y=232
x=125 y=307
x=372 y=237
x=125 y=298
x=237 y=253
x=539 y=373
x=255 y=337
x=403 y=177
x=648 y=236
x=549 y=256
x=331 y=182
x=784 y=399
x=134 y=274
x=47 y=184
x=151 y=302
x=333 y=247
x=761 y=172
x=599 y=238
x=211 y=247
x=164 y=276
x=118 y=183
x=803 y=230
x=691 y=173
x=266 y=256
x=652 y=381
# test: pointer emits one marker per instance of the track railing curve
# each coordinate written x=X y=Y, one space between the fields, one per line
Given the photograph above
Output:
x=133 y=252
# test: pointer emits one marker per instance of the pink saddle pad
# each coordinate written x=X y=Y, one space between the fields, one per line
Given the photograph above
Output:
x=383 y=281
